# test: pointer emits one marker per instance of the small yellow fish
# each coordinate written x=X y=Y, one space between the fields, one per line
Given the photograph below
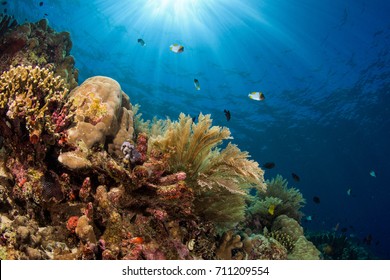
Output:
x=256 y=95
x=176 y=48
x=196 y=84
x=271 y=209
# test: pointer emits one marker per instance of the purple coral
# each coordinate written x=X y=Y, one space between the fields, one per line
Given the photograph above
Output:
x=130 y=152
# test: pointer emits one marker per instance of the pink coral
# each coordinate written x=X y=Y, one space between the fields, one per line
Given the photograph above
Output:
x=72 y=223
x=85 y=189
x=142 y=147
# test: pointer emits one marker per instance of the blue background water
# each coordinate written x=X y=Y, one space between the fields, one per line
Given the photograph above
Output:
x=324 y=67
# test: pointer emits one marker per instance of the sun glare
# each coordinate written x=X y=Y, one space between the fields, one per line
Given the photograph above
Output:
x=178 y=9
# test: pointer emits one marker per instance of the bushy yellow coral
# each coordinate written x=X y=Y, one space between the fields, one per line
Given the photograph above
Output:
x=215 y=175
x=31 y=95
x=188 y=143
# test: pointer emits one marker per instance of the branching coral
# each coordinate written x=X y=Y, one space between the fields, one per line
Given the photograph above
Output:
x=31 y=98
x=37 y=44
x=229 y=242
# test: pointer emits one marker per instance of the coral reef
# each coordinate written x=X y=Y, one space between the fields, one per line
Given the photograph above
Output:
x=36 y=44
x=282 y=199
x=259 y=247
x=302 y=248
x=33 y=117
x=218 y=177
x=78 y=179
x=334 y=246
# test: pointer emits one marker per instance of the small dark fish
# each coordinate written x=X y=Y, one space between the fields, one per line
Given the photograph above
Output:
x=40 y=4
x=269 y=165
x=5 y=11
x=227 y=114
x=368 y=239
x=45 y=15
x=4 y=3
x=295 y=177
x=344 y=229
x=194 y=118
x=141 y=42
x=196 y=84
x=132 y=220
x=316 y=199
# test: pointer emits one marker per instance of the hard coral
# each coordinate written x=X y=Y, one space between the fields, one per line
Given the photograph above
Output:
x=259 y=247
x=28 y=98
x=100 y=106
x=228 y=244
x=36 y=44
x=303 y=249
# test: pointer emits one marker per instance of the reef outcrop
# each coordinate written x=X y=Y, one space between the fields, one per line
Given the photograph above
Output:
x=82 y=177
x=37 y=44
x=103 y=116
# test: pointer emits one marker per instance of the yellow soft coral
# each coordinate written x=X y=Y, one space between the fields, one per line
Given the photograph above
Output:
x=192 y=148
x=220 y=178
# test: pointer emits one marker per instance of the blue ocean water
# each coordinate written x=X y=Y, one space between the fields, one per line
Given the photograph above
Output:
x=323 y=66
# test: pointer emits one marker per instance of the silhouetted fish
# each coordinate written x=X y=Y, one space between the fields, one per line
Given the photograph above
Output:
x=269 y=165
x=40 y=4
x=141 y=42
x=295 y=177
x=227 y=114
x=4 y=3
x=316 y=199
x=196 y=84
